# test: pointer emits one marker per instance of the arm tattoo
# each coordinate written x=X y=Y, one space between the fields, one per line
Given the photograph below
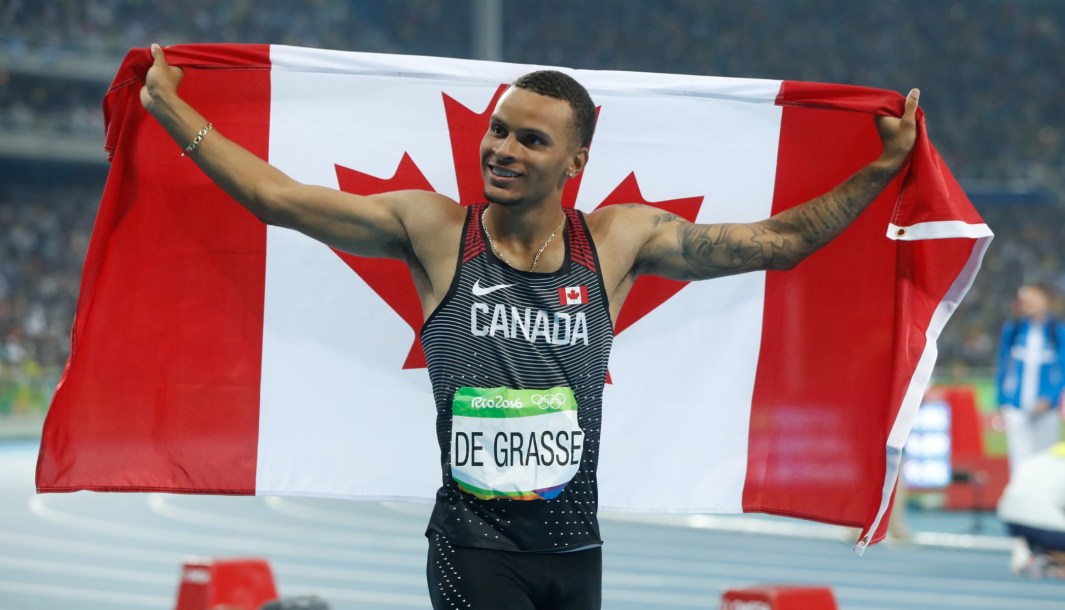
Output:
x=822 y=219
x=665 y=217
x=782 y=241
x=715 y=250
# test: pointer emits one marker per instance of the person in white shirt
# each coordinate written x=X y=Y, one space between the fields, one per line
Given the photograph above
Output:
x=1033 y=508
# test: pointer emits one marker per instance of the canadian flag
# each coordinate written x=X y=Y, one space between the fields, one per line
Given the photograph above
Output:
x=214 y=354
x=573 y=295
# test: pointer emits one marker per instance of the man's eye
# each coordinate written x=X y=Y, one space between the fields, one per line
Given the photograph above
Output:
x=496 y=130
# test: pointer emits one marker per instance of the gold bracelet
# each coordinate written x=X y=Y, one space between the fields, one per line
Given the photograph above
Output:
x=196 y=141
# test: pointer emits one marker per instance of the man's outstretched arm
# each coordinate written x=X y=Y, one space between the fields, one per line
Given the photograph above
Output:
x=368 y=226
x=679 y=249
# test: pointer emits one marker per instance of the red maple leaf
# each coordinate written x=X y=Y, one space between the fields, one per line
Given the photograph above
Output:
x=391 y=280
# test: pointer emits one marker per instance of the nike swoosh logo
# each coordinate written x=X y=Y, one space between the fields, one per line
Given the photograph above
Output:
x=478 y=291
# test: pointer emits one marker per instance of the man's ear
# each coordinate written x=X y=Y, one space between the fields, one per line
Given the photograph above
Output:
x=580 y=159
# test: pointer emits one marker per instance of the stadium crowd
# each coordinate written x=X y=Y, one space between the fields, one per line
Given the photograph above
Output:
x=46 y=232
x=987 y=70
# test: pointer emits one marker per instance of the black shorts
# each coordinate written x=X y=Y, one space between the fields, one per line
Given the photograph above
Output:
x=1039 y=540
x=484 y=579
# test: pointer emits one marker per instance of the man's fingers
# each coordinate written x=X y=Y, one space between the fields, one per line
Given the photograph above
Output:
x=911 y=103
x=161 y=69
x=157 y=55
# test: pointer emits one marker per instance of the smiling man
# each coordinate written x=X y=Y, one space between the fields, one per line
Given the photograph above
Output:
x=519 y=297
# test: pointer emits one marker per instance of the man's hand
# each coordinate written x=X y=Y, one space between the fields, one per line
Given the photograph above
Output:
x=160 y=82
x=1042 y=405
x=897 y=135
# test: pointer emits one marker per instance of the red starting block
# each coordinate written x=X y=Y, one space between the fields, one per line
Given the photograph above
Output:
x=213 y=584
x=778 y=597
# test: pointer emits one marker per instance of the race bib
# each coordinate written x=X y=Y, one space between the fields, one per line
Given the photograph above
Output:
x=515 y=444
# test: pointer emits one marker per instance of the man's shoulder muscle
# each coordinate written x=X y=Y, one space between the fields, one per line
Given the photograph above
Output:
x=620 y=233
x=426 y=209
x=433 y=223
x=626 y=227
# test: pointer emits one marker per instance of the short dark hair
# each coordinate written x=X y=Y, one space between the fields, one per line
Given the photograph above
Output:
x=1044 y=287
x=555 y=84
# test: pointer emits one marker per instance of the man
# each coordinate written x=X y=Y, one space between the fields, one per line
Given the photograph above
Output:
x=519 y=298
x=1033 y=508
x=1030 y=375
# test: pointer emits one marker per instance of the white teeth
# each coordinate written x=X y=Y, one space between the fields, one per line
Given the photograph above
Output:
x=504 y=173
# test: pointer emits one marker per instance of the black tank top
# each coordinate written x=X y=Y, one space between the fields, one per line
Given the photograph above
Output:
x=517 y=361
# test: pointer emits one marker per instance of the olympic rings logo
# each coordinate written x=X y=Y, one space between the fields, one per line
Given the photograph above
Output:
x=549 y=401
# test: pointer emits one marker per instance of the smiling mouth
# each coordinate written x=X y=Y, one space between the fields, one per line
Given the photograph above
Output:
x=502 y=172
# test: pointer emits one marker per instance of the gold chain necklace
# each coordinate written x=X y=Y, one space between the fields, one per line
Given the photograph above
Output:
x=536 y=259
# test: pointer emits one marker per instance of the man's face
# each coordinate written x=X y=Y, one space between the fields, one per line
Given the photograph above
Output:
x=529 y=148
x=1032 y=302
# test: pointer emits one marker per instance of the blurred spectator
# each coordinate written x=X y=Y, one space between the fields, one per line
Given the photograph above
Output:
x=1030 y=376
x=1033 y=508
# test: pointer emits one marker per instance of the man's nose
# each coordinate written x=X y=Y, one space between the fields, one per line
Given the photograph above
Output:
x=504 y=149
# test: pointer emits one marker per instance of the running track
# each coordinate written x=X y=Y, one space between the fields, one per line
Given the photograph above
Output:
x=115 y=551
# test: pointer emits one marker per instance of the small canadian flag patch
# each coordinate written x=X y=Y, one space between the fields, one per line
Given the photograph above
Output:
x=573 y=295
